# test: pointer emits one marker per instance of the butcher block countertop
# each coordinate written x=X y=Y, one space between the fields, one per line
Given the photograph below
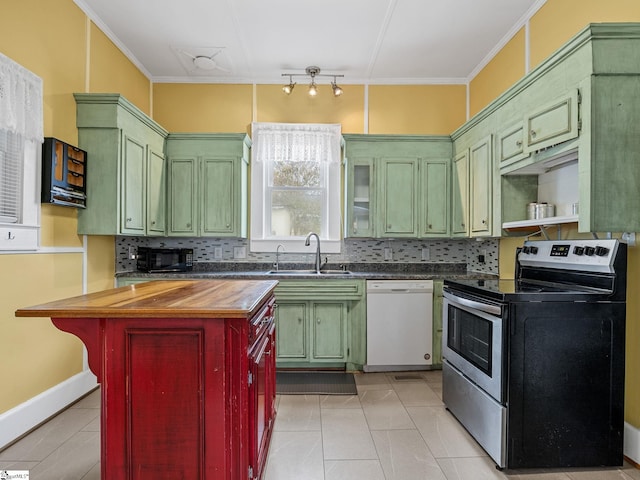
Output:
x=168 y=299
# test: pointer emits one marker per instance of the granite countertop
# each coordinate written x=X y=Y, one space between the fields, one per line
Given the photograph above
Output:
x=362 y=271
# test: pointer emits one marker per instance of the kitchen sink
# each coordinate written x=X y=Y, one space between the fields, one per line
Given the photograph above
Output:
x=308 y=272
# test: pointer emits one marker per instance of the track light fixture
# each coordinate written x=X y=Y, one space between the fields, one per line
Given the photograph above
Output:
x=312 y=72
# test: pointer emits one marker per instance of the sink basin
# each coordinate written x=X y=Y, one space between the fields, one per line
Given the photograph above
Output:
x=308 y=272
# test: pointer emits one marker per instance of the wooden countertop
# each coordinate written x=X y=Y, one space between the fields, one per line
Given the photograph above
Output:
x=166 y=299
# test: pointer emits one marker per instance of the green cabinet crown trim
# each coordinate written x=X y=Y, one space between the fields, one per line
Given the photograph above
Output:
x=595 y=33
x=108 y=118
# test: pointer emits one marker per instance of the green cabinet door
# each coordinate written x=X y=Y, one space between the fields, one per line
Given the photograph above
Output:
x=291 y=331
x=156 y=194
x=133 y=186
x=360 y=198
x=460 y=195
x=398 y=197
x=553 y=123
x=182 y=196
x=218 y=196
x=437 y=322
x=328 y=323
x=434 y=204
x=480 y=165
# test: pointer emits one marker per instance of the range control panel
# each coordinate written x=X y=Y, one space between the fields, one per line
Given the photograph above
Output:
x=587 y=255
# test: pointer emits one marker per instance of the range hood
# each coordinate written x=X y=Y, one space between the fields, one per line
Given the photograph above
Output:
x=546 y=160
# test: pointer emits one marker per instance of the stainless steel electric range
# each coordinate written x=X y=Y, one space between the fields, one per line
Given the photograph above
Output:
x=533 y=367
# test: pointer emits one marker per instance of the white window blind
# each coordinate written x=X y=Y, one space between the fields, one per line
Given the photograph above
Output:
x=21 y=136
x=11 y=168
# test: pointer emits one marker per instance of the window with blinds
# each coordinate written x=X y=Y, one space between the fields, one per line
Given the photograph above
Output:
x=11 y=168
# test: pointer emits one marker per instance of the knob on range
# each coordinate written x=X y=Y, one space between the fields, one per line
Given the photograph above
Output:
x=530 y=249
x=601 y=251
x=578 y=250
x=589 y=251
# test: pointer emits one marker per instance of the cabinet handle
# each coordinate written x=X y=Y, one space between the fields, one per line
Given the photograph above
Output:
x=533 y=133
x=389 y=227
x=128 y=219
x=11 y=236
x=228 y=226
x=299 y=320
x=519 y=143
x=318 y=321
x=484 y=222
x=429 y=226
x=153 y=222
x=188 y=225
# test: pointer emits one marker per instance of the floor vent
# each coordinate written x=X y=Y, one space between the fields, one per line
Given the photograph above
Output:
x=407 y=378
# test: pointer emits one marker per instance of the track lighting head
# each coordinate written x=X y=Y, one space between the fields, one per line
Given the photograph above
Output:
x=289 y=88
x=337 y=91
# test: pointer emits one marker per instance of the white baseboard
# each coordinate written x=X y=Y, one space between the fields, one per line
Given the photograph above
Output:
x=632 y=443
x=19 y=420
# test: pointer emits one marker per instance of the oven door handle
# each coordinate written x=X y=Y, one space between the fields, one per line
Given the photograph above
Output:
x=483 y=307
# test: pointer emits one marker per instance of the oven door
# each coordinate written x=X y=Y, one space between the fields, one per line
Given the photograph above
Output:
x=473 y=341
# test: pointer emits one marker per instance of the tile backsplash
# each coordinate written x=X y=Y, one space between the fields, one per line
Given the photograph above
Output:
x=479 y=255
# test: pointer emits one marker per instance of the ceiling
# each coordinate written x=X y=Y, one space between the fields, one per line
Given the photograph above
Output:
x=256 y=41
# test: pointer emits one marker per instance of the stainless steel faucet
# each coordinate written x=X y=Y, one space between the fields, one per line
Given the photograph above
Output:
x=307 y=242
x=277 y=264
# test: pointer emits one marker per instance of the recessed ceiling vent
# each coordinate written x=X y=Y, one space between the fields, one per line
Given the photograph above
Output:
x=203 y=60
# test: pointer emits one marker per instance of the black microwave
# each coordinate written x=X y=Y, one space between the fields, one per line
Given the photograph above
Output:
x=165 y=259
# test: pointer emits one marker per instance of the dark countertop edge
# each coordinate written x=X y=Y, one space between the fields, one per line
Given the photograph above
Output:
x=263 y=275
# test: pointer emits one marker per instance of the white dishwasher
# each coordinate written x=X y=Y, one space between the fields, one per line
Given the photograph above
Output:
x=399 y=325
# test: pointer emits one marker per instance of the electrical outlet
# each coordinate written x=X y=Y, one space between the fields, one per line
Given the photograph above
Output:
x=132 y=253
x=629 y=238
x=388 y=253
x=239 y=252
x=425 y=253
x=217 y=253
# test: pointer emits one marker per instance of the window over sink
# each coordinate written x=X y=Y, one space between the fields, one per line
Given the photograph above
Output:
x=295 y=186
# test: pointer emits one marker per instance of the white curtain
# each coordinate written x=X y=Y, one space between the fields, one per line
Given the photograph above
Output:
x=21 y=133
x=299 y=142
x=20 y=100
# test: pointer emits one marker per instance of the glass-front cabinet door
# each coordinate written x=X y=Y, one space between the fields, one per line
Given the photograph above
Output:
x=360 y=195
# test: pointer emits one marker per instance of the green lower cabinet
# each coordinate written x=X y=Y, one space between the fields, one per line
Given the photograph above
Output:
x=291 y=331
x=329 y=331
x=437 y=322
x=321 y=324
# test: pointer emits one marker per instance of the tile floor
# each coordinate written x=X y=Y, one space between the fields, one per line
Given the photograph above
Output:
x=394 y=429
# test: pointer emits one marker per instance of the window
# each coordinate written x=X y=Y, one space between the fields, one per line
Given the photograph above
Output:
x=295 y=186
x=21 y=137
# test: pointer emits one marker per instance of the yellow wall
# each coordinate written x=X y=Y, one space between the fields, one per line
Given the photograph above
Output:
x=180 y=107
x=559 y=20
x=507 y=67
x=111 y=72
x=416 y=109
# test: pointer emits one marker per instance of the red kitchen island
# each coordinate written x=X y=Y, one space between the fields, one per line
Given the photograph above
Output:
x=187 y=374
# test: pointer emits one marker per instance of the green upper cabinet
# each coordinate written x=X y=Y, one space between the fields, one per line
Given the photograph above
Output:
x=460 y=195
x=434 y=213
x=125 y=184
x=183 y=196
x=481 y=177
x=360 y=198
x=554 y=123
x=156 y=194
x=207 y=185
x=397 y=186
